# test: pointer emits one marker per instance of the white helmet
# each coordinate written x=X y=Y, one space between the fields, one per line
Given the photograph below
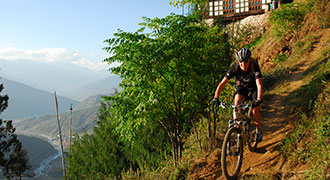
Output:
x=243 y=54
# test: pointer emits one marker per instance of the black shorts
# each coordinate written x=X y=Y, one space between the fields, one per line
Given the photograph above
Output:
x=249 y=94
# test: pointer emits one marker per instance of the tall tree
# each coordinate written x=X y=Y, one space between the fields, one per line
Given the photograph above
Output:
x=13 y=159
x=99 y=155
x=164 y=72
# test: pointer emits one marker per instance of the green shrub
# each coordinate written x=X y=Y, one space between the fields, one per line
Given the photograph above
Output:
x=288 y=19
x=180 y=173
x=305 y=45
x=281 y=58
x=256 y=42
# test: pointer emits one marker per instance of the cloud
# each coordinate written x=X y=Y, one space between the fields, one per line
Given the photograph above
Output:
x=90 y=65
x=39 y=55
x=50 y=55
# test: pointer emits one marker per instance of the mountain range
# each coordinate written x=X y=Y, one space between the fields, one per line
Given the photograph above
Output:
x=26 y=101
x=60 y=77
x=84 y=117
x=106 y=85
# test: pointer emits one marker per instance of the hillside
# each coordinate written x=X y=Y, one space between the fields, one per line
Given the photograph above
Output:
x=84 y=117
x=38 y=150
x=26 y=101
x=167 y=94
x=290 y=149
x=104 y=86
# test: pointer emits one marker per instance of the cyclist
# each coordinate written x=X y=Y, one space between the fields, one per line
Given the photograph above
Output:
x=249 y=81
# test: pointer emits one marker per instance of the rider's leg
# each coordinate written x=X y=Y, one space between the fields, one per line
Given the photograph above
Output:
x=257 y=117
x=238 y=99
x=240 y=93
x=256 y=111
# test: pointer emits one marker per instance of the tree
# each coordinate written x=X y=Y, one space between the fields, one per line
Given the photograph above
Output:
x=99 y=155
x=167 y=76
x=17 y=163
x=178 y=3
x=13 y=159
x=194 y=6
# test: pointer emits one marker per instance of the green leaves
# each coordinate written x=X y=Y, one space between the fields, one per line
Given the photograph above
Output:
x=179 y=3
x=13 y=159
x=288 y=19
x=169 y=75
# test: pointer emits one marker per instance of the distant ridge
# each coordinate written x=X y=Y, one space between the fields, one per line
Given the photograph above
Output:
x=26 y=101
x=84 y=118
x=107 y=85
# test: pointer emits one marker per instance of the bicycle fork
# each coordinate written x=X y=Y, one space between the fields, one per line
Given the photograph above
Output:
x=229 y=144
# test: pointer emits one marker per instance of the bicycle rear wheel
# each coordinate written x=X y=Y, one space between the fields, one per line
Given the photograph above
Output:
x=251 y=130
x=232 y=153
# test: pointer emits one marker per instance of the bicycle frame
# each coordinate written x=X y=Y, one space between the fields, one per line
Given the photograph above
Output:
x=240 y=118
x=241 y=130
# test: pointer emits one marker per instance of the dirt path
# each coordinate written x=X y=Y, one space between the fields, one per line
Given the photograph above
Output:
x=277 y=121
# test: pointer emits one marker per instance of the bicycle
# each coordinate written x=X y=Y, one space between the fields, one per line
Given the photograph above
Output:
x=240 y=131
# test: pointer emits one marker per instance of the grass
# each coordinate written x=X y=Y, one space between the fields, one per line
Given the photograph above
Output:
x=281 y=58
x=310 y=142
x=255 y=42
x=305 y=45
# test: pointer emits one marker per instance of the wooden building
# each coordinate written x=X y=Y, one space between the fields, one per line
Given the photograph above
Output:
x=231 y=10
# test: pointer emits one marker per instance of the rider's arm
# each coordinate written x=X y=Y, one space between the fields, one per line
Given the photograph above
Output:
x=260 y=88
x=220 y=87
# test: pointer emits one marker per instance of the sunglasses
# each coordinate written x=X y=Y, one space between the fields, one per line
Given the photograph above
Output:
x=243 y=61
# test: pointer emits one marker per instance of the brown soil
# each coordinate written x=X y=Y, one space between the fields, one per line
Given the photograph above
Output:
x=277 y=122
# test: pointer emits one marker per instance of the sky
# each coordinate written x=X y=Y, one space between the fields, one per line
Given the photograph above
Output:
x=70 y=31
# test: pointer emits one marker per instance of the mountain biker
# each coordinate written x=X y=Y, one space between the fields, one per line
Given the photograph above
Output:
x=249 y=80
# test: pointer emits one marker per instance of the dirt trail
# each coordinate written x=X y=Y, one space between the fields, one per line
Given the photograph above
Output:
x=277 y=122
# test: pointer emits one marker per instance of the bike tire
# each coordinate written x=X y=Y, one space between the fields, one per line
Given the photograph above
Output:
x=231 y=159
x=251 y=130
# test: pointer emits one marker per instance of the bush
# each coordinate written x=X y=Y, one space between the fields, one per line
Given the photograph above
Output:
x=281 y=58
x=180 y=173
x=288 y=20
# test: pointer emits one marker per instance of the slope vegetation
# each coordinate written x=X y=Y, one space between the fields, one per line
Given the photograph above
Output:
x=284 y=151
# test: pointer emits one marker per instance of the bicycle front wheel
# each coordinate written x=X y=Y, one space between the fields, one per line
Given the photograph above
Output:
x=232 y=153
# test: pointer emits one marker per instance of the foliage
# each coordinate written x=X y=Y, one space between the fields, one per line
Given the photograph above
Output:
x=288 y=19
x=180 y=173
x=13 y=159
x=281 y=58
x=96 y=156
x=305 y=97
x=305 y=45
x=242 y=35
x=17 y=163
x=178 y=3
x=169 y=76
x=322 y=10
x=310 y=140
x=255 y=42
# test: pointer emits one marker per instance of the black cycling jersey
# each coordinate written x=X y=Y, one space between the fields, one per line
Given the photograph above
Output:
x=246 y=79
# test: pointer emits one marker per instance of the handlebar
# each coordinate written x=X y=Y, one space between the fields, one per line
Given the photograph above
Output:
x=225 y=105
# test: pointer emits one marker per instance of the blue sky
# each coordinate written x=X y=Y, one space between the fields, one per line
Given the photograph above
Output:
x=70 y=31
